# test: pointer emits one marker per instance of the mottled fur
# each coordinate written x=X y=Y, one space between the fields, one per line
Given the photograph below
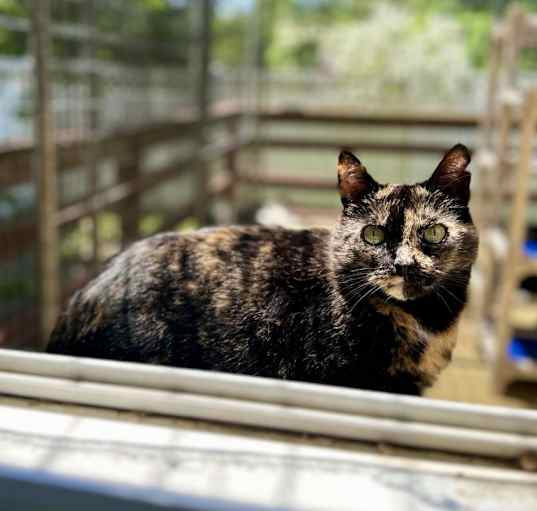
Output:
x=314 y=305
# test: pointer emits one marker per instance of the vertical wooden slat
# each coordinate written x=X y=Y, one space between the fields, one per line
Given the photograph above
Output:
x=93 y=113
x=517 y=234
x=490 y=115
x=516 y=22
x=505 y=52
x=48 y=246
x=130 y=209
x=257 y=35
x=497 y=179
x=233 y=170
x=203 y=36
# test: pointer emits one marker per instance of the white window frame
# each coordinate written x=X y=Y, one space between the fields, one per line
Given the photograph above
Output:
x=338 y=412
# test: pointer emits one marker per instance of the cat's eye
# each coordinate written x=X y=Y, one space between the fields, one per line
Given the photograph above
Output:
x=435 y=233
x=373 y=234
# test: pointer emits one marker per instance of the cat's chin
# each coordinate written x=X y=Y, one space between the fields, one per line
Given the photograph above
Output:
x=395 y=287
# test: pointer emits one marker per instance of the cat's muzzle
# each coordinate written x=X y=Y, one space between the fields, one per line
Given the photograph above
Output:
x=408 y=287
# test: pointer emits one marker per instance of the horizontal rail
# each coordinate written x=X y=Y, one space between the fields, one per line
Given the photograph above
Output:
x=438 y=120
x=16 y=159
x=309 y=144
x=118 y=193
x=21 y=236
x=145 y=182
x=288 y=182
x=307 y=183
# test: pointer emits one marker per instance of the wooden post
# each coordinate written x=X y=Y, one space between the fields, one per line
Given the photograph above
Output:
x=506 y=53
x=203 y=35
x=516 y=25
x=509 y=58
x=233 y=170
x=129 y=209
x=514 y=261
x=92 y=150
x=48 y=245
x=490 y=115
x=258 y=82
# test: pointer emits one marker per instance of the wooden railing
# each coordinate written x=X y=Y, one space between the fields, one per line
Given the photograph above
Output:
x=128 y=147
x=433 y=122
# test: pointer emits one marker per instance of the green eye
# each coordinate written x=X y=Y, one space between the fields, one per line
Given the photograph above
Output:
x=373 y=234
x=435 y=234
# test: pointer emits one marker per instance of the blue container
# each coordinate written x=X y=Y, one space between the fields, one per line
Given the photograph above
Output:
x=522 y=349
x=530 y=248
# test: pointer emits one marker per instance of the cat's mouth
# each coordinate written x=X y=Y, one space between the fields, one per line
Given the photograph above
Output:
x=395 y=286
x=404 y=289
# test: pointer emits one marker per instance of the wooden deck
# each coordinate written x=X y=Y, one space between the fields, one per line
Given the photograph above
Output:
x=469 y=378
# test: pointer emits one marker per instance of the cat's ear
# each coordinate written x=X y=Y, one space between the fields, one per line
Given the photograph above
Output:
x=353 y=180
x=451 y=176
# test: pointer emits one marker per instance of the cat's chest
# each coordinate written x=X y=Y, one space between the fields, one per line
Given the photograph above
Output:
x=415 y=350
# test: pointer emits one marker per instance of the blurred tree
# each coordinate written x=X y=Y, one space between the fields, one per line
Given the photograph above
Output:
x=393 y=55
x=229 y=38
x=301 y=24
x=163 y=22
x=13 y=42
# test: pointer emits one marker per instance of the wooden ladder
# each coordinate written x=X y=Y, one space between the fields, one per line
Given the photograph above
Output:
x=517 y=265
x=504 y=172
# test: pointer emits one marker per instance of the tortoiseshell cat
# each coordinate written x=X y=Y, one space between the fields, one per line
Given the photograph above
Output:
x=372 y=304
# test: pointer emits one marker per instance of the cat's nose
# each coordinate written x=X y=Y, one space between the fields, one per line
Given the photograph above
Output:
x=403 y=259
x=401 y=269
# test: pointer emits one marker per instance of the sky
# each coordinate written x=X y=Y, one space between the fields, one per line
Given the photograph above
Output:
x=231 y=7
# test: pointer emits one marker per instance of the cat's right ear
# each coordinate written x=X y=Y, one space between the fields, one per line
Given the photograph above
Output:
x=353 y=179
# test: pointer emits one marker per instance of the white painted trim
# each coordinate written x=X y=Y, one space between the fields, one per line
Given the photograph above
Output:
x=273 y=416
x=266 y=390
x=55 y=427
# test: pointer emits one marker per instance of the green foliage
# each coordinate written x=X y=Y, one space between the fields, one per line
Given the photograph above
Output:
x=477 y=28
x=12 y=42
x=13 y=8
x=155 y=21
x=229 y=39
x=475 y=17
x=188 y=224
x=150 y=224
x=16 y=289
x=394 y=56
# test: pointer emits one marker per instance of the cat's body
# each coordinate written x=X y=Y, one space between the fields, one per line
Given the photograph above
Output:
x=313 y=305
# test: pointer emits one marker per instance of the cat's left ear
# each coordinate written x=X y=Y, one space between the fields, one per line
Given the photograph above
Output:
x=451 y=176
x=354 y=181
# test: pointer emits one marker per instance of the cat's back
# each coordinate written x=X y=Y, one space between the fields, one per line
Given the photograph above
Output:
x=171 y=283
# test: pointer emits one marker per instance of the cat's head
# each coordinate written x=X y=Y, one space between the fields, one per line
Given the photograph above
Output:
x=405 y=240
